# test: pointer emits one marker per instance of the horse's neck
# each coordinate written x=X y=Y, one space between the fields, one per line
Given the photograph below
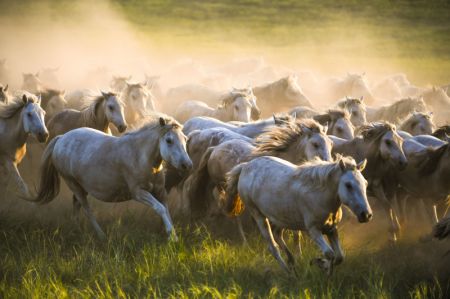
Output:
x=263 y=93
x=13 y=135
x=220 y=113
x=355 y=148
x=295 y=153
x=101 y=121
x=146 y=145
x=255 y=128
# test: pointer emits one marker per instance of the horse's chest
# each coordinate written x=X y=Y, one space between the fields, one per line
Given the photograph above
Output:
x=20 y=153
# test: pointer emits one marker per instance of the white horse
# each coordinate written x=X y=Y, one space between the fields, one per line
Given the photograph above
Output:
x=22 y=117
x=119 y=83
x=115 y=169
x=418 y=123
x=280 y=195
x=356 y=108
x=236 y=106
x=138 y=101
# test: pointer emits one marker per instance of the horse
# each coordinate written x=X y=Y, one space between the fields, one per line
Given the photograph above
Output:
x=418 y=123
x=352 y=85
x=396 y=111
x=20 y=118
x=280 y=95
x=105 y=109
x=437 y=99
x=280 y=195
x=5 y=73
x=138 y=100
x=49 y=78
x=297 y=141
x=32 y=83
x=250 y=130
x=114 y=169
x=236 y=106
x=356 y=108
x=119 y=83
x=4 y=96
x=427 y=173
x=338 y=123
x=381 y=145
x=53 y=101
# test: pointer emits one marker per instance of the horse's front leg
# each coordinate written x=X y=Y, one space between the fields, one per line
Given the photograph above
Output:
x=327 y=262
x=147 y=198
x=14 y=174
x=378 y=191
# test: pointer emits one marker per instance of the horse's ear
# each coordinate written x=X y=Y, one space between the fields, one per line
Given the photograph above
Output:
x=361 y=99
x=294 y=115
x=128 y=78
x=39 y=98
x=363 y=74
x=104 y=94
x=162 y=122
x=63 y=92
x=37 y=74
x=6 y=87
x=361 y=165
x=341 y=164
x=24 y=98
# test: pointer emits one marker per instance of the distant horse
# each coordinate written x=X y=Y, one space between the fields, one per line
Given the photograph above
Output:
x=352 y=85
x=138 y=102
x=119 y=83
x=396 y=111
x=280 y=195
x=103 y=110
x=4 y=96
x=357 y=109
x=381 y=145
x=236 y=106
x=417 y=123
x=439 y=102
x=20 y=118
x=53 y=102
x=49 y=78
x=32 y=83
x=280 y=95
x=114 y=169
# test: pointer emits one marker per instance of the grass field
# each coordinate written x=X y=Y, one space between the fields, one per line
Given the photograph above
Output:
x=44 y=254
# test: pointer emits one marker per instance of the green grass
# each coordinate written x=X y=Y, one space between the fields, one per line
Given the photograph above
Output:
x=42 y=258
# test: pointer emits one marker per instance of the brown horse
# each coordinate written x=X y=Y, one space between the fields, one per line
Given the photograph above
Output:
x=105 y=109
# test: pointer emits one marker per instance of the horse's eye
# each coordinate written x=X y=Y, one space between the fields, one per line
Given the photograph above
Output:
x=316 y=145
x=236 y=108
x=169 y=141
x=348 y=186
x=29 y=114
x=354 y=113
x=339 y=129
x=111 y=108
x=388 y=142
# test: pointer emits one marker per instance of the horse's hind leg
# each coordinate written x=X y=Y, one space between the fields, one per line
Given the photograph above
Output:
x=81 y=196
x=297 y=240
x=266 y=231
x=278 y=236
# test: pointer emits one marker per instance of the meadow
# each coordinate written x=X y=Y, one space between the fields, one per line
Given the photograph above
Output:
x=46 y=254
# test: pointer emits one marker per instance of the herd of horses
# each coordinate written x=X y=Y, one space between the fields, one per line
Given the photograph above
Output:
x=270 y=151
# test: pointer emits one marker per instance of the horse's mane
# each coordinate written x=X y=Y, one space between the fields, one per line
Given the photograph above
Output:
x=332 y=116
x=152 y=122
x=404 y=106
x=230 y=97
x=16 y=105
x=89 y=113
x=442 y=132
x=278 y=139
x=375 y=131
x=315 y=174
x=429 y=165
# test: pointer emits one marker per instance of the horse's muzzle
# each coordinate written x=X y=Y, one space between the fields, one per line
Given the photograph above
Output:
x=122 y=128
x=42 y=137
x=364 y=217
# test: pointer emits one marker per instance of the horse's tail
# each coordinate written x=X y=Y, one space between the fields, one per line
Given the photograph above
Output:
x=198 y=184
x=50 y=181
x=233 y=203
